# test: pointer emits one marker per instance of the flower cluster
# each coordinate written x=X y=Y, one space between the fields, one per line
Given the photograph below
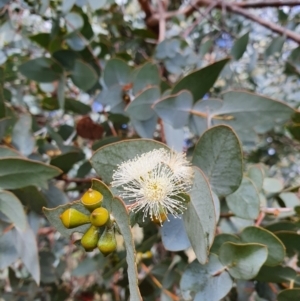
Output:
x=155 y=181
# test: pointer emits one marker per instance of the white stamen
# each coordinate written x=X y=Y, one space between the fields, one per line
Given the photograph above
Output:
x=155 y=181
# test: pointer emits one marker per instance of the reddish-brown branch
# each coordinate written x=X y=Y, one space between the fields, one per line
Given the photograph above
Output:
x=237 y=8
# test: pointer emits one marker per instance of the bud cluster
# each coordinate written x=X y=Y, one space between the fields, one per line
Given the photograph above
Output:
x=99 y=218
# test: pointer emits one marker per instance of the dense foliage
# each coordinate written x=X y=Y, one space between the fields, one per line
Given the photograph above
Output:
x=86 y=85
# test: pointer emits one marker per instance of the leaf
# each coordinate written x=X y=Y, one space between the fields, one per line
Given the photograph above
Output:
x=8 y=250
x=275 y=46
x=17 y=173
x=66 y=161
x=175 y=109
x=222 y=238
x=289 y=295
x=250 y=113
x=104 y=141
x=291 y=240
x=277 y=274
x=200 y=217
x=43 y=70
x=31 y=197
x=54 y=196
x=218 y=153
x=61 y=91
x=244 y=202
x=83 y=75
x=174 y=236
x=116 y=71
x=199 y=82
x=141 y=107
x=74 y=21
x=205 y=282
x=106 y=159
x=145 y=129
x=22 y=137
x=276 y=249
x=146 y=76
x=240 y=46
x=27 y=249
x=96 y=4
x=272 y=185
x=8 y=152
x=113 y=96
x=243 y=261
x=120 y=213
x=67 y=5
x=42 y=39
x=256 y=174
x=4 y=123
x=11 y=206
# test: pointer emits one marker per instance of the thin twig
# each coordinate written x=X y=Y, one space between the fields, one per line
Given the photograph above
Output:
x=162 y=22
x=158 y=284
x=260 y=219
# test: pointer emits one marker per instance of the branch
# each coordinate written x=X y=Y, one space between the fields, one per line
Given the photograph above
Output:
x=238 y=8
x=272 y=26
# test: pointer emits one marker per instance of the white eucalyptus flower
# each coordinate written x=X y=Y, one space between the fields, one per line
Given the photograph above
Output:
x=155 y=181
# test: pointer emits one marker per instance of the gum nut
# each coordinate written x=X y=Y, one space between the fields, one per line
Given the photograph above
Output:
x=92 y=199
x=72 y=218
x=99 y=217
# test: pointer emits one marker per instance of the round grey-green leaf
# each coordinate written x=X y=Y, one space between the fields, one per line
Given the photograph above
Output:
x=289 y=295
x=245 y=202
x=243 y=261
x=83 y=75
x=276 y=249
x=209 y=282
x=175 y=109
x=219 y=155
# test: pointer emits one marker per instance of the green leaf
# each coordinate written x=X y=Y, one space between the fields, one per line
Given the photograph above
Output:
x=11 y=206
x=283 y=226
x=8 y=250
x=173 y=235
x=66 y=161
x=27 y=249
x=71 y=105
x=113 y=96
x=120 y=213
x=275 y=46
x=222 y=238
x=250 y=113
x=145 y=129
x=205 y=282
x=104 y=141
x=199 y=82
x=219 y=155
x=61 y=91
x=83 y=75
x=175 y=109
x=272 y=185
x=277 y=274
x=244 y=202
x=146 y=76
x=276 y=249
x=106 y=159
x=96 y=4
x=42 y=39
x=291 y=240
x=256 y=174
x=31 y=197
x=240 y=46
x=17 y=173
x=43 y=70
x=243 y=261
x=289 y=295
x=74 y=21
x=141 y=107
x=117 y=71
x=8 y=152
x=200 y=218
x=4 y=124
x=22 y=137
